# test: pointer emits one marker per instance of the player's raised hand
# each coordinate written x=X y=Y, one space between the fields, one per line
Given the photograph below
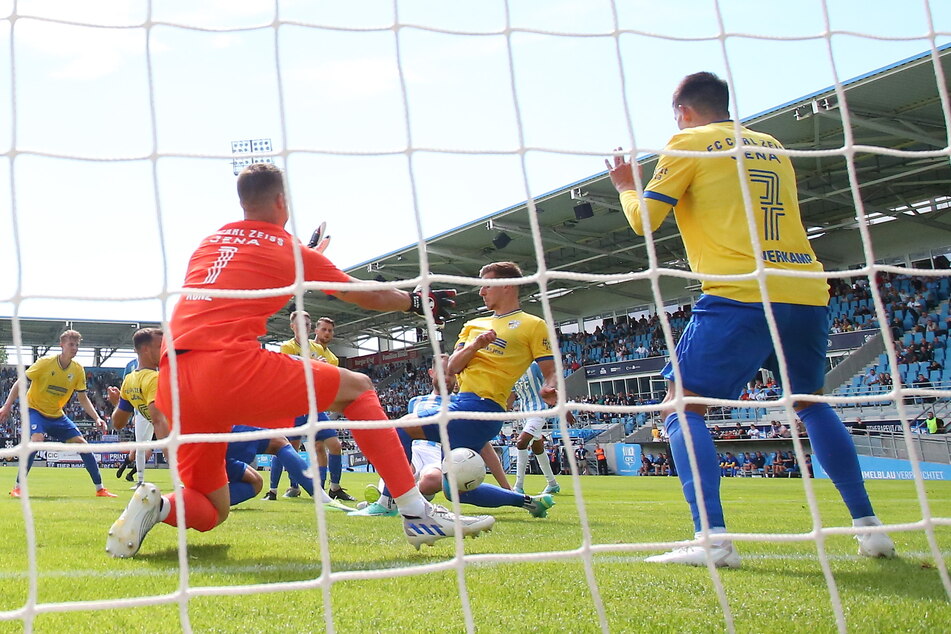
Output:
x=319 y=239
x=113 y=395
x=621 y=172
x=441 y=302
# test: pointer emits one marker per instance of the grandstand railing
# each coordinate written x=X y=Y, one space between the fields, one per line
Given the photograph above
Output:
x=883 y=444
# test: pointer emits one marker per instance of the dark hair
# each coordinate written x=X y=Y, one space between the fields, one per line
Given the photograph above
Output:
x=505 y=270
x=704 y=92
x=144 y=336
x=258 y=182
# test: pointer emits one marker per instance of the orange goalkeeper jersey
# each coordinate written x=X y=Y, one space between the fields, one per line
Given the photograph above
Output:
x=241 y=255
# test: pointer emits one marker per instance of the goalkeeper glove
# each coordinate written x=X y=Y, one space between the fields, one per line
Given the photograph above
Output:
x=440 y=302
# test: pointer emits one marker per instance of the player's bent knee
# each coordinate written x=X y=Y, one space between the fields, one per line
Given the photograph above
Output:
x=352 y=385
x=275 y=445
x=430 y=481
x=252 y=477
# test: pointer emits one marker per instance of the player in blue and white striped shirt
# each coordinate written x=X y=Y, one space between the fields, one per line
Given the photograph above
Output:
x=426 y=453
x=527 y=391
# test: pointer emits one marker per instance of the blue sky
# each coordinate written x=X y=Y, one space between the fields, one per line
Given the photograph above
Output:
x=385 y=126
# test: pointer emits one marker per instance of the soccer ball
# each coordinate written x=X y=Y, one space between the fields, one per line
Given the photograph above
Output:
x=468 y=467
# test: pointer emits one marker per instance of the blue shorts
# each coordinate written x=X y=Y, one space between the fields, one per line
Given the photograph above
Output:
x=235 y=469
x=466 y=432
x=323 y=434
x=726 y=342
x=60 y=429
x=246 y=451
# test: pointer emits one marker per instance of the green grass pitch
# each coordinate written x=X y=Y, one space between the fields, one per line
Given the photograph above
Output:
x=779 y=589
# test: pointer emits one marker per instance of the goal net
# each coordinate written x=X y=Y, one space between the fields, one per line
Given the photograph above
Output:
x=397 y=121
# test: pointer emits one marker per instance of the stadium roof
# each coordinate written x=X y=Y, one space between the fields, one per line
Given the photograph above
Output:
x=107 y=336
x=896 y=108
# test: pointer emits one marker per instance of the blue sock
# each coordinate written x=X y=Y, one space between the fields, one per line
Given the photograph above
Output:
x=240 y=492
x=29 y=465
x=89 y=461
x=407 y=443
x=833 y=447
x=291 y=461
x=323 y=476
x=335 y=467
x=487 y=496
x=277 y=470
x=707 y=463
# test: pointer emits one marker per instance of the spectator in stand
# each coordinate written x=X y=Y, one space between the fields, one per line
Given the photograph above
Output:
x=647 y=467
x=661 y=467
x=885 y=380
x=871 y=378
x=922 y=383
x=778 y=430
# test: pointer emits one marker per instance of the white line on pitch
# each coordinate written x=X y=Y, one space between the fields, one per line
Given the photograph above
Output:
x=315 y=567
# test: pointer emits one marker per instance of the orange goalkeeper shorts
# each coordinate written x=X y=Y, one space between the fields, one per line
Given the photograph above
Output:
x=222 y=388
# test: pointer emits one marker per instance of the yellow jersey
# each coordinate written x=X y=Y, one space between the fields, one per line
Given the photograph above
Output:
x=323 y=352
x=706 y=197
x=317 y=351
x=51 y=386
x=493 y=370
x=292 y=347
x=139 y=389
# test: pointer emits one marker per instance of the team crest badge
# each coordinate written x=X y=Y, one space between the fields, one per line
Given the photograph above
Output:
x=69 y=376
x=514 y=324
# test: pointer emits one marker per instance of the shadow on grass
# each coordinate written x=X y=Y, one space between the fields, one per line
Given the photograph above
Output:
x=203 y=552
x=899 y=577
x=247 y=567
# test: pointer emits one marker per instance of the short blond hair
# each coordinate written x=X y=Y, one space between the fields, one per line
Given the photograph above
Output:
x=70 y=334
x=299 y=312
x=504 y=270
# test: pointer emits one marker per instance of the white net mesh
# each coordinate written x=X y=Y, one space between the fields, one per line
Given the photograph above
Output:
x=117 y=113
